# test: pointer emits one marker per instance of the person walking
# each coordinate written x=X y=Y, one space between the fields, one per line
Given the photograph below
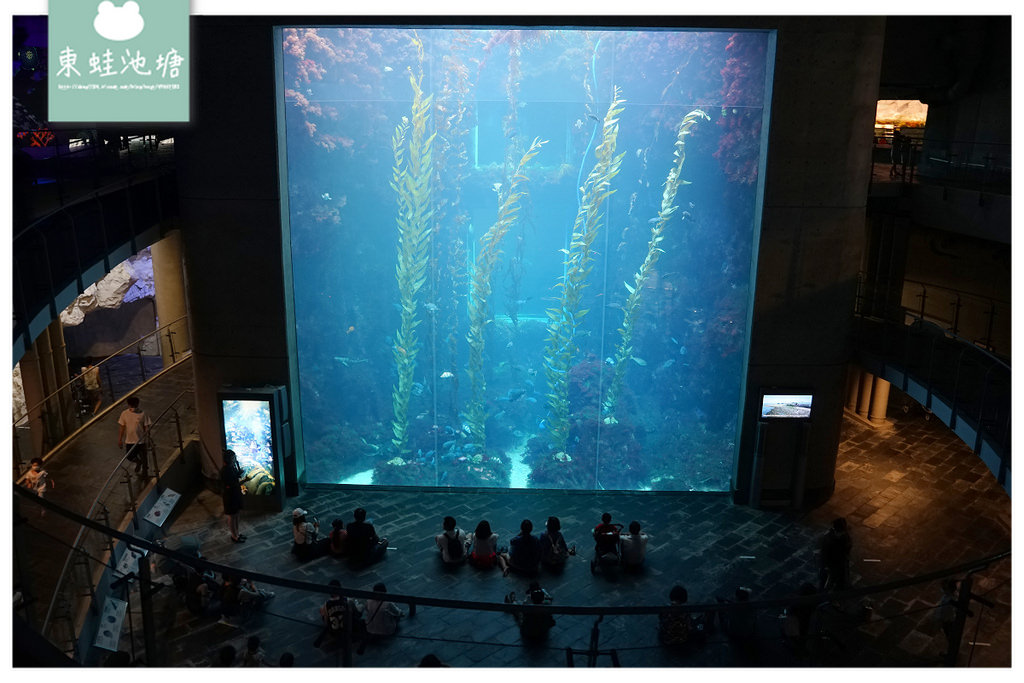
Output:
x=133 y=429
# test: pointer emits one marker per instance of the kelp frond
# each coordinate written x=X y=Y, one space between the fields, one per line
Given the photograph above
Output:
x=564 y=319
x=412 y=146
x=479 y=294
x=632 y=306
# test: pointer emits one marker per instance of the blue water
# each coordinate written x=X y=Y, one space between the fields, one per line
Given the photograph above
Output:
x=494 y=91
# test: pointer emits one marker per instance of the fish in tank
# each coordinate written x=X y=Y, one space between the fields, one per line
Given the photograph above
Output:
x=521 y=257
x=248 y=432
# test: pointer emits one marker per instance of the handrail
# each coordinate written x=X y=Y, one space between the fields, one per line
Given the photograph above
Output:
x=957 y=291
x=76 y=378
x=972 y=345
x=87 y=521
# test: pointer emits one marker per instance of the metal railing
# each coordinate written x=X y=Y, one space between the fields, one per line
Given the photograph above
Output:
x=974 y=383
x=114 y=507
x=48 y=423
x=85 y=237
x=984 y=321
x=958 y=163
x=811 y=627
x=57 y=167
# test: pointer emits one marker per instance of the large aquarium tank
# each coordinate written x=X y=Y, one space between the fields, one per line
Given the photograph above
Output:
x=522 y=257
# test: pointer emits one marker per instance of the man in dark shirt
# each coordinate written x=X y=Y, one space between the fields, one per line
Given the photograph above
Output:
x=364 y=547
x=524 y=551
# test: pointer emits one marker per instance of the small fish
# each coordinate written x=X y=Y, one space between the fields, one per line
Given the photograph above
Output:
x=388 y=69
x=542 y=424
x=326 y=196
x=447 y=374
x=531 y=399
x=674 y=340
x=498 y=416
x=639 y=361
x=430 y=307
x=609 y=360
x=594 y=117
x=417 y=388
x=496 y=187
x=351 y=329
x=682 y=350
x=515 y=394
x=667 y=364
x=448 y=444
x=509 y=345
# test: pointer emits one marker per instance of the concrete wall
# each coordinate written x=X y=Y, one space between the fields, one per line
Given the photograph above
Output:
x=231 y=220
x=812 y=235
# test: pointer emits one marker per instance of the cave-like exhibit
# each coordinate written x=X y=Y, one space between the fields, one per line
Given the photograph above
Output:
x=522 y=257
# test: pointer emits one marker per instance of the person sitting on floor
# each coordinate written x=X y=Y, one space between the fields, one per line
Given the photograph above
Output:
x=238 y=594
x=452 y=542
x=674 y=627
x=332 y=614
x=338 y=538
x=483 y=546
x=307 y=546
x=534 y=625
x=524 y=552
x=633 y=546
x=364 y=546
x=382 y=617
x=553 y=551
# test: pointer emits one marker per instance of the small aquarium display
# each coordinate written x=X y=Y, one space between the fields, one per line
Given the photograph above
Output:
x=786 y=406
x=248 y=431
x=521 y=257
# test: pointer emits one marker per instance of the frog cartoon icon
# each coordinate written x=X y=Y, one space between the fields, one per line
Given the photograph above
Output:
x=118 y=23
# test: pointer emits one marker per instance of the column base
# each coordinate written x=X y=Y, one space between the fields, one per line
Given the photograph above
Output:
x=879 y=425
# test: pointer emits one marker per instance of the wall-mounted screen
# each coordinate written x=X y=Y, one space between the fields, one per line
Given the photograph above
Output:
x=786 y=406
x=521 y=257
x=248 y=431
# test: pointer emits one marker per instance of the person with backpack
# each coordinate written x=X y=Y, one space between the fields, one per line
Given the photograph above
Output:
x=553 y=550
x=452 y=542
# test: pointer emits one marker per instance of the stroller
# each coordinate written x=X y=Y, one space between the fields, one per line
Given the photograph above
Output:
x=606 y=546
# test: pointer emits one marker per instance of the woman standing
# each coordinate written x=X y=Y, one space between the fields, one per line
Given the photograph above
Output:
x=230 y=477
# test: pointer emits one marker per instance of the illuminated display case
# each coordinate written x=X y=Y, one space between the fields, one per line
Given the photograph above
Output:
x=254 y=424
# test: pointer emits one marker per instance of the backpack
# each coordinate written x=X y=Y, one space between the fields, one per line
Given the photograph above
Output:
x=455 y=547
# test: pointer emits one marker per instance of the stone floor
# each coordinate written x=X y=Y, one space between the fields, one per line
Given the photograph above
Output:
x=916 y=498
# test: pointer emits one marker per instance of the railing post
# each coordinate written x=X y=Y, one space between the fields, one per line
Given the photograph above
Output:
x=346 y=647
x=170 y=343
x=991 y=322
x=146 y=602
x=963 y=603
x=924 y=297
x=142 y=364
x=956 y=314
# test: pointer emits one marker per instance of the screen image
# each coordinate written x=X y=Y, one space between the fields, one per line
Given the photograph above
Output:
x=521 y=258
x=248 y=432
x=786 y=406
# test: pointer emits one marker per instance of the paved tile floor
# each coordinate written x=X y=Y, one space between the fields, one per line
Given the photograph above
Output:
x=916 y=498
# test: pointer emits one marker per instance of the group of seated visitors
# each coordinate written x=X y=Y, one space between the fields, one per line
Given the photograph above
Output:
x=376 y=618
x=358 y=541
x=527 y=553
x=611 y=546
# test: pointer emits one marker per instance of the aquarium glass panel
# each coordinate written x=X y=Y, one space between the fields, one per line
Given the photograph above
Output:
x=522 y=258
x=248 y=432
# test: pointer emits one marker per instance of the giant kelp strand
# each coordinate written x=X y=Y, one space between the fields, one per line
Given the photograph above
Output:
x=411 y=182
x=565 y=318
x=624 y=350
x=479 y=295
